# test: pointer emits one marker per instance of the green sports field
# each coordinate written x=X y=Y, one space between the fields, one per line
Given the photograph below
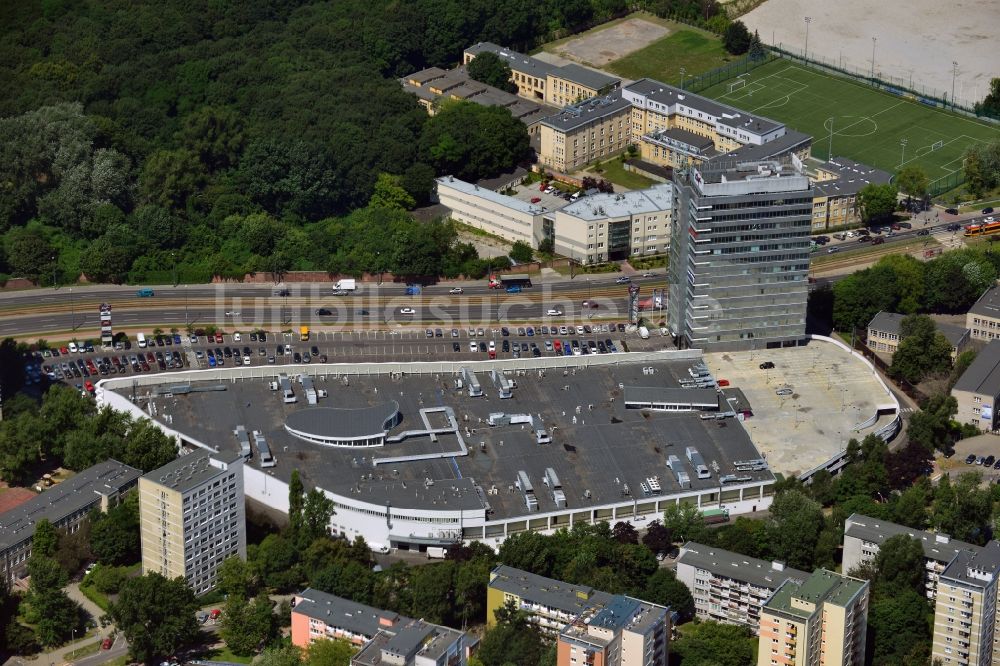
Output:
x=867 y=125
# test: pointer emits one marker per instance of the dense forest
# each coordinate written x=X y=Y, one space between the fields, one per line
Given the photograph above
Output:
x=143 y=138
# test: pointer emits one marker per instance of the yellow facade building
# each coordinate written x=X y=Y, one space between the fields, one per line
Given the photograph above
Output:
x=836 y=184
x=819 y=622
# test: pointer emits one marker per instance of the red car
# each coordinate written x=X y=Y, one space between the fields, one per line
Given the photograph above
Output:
x=535 y=199
x=215 y=613
x=88 y=386
x=542 y=186
x=107 y=643
x=218 y=338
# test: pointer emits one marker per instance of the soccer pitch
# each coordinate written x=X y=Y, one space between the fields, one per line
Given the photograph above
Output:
x=864 y=124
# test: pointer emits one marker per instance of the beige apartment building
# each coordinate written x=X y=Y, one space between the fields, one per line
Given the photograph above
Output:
x=884 y=334
x=66 y=506
x=835 y=192
x=978 y=389
x=965 y=610
x=728 y=587
x=586 y=132
x=192 y=517
x=983 y=318
x=611 y=227
x=556 y=85
x=819 y=622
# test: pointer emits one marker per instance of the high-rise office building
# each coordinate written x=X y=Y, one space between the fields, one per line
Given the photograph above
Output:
x=739 y=254
x=965 y=609
x=819 y=622
x=192 y=517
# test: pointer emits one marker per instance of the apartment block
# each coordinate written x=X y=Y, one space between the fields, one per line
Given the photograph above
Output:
x=821 y=621
x=550 y=604
x=592 y=130
x=983 y=318
x=66 y=505
x=729 y=587
x=739 y=255
x=611 y=227
x=383 y=636
x=965 y=610
x=978 y=389
x=625 y=632
x=192 y=517
x=864 y=536
x=557 y=85
x=884 y=334
x=499 y=214
x=836 y=184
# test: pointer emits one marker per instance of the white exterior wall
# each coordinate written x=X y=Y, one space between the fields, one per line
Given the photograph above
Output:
x=486 y=212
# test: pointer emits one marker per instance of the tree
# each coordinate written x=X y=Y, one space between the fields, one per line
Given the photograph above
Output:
x=316 y=513
x=169 y=177
x=981 y=164
x=511 y=641
x=390 y=193
x=215 y=135
x=664 y=588
x=901 y=565
x=896 y=623
x=114 y=536
x=471 y=141
x=491 y=69
x=296 y=499
x=330 y=653
x=288 y=655
x=913 y=181
x=29 y=255
x=990 y=106
x=623 y=532
x=930 y=427
x=546 y=246
x=236 y=578
x=877 y=202
x=714 y=644
x=794 y=526
x=521 y=252
x=45 y=539
x=922 y=351
x=684 y=522
x=247 y=626
x=737 y=38
x=54 y=614
x=756 y=51
x=156 y=615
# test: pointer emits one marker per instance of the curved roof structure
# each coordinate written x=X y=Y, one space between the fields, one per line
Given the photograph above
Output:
x=332 y=424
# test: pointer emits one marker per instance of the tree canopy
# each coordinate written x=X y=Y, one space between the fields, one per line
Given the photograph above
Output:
x=491 y=69
x=156 y=615
x=877 y=202
x=922 y=350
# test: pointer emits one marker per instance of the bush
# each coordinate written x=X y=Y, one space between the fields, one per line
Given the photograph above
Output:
x=107 y=579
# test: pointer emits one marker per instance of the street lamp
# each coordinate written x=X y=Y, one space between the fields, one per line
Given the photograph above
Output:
x=829 y=150
x=808 y=20
x=902 y=157
x=874 y=39
x=53 y=271
x=954 y=73
x=683 y=72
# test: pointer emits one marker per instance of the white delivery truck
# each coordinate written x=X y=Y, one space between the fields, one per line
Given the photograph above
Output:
x=436 y=553
x=347 y=284
x=643 y=332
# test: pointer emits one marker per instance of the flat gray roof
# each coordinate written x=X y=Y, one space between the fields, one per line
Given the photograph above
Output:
x=64 y=499
x=490 y=195
x=334 y=422
x=666 y=94
x=983 y=376
x=595 y=207
x=425 y=75
x=591 y=110
x=890 y=323
x=975 y=568
x=585 y=77
x=938 y=547
x=784 y=144
x=518 y=62
x=608 y=447
x=344 y=613
x=565 y=597
x=761 y=573
x=853 y=176
x=988 y=305
x=189 y=471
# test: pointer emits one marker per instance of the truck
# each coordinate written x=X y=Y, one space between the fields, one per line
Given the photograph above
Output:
x=715 y=516
x=347 y=284
x=436 y=553
x=522 y=280
x=303 y=333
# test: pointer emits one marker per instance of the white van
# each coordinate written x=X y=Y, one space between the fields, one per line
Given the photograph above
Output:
x=643 y=332
x=141 y=339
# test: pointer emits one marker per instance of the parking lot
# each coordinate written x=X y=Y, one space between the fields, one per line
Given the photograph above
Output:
x=177 y=351
x=530 y=191
x=807 y=407
x=980 y=446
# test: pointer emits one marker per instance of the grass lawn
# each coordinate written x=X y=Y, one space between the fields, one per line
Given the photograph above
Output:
x=694 y=50
x=866 y=124
x=615 y=172
x=98 y=598
x=223 y=654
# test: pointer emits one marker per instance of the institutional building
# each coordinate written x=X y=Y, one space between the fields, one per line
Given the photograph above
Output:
x=590 y=626
x=191 y=514
x=556 y=85
x=864 y=536
x=589 y=131
x=739 y=255
x=836 y=185
x=884 y=334
x=501 y=215
x=983 y=318
x=965 y=610
x=978 y=389
x=728 y=587
x=383 y=636
x=65 y=505
x=821 y=621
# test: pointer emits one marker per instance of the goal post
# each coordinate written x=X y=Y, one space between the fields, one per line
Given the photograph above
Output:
x=736 y=85
x=937 y=145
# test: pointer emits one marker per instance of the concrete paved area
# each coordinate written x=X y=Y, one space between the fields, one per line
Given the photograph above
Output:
x=832 y=392
x=600 y=47
x=982 y=445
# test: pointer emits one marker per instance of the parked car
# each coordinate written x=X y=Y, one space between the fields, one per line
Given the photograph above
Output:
x=623 y=280
x=767 y=365
x=971 y=458
x=951 y=211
